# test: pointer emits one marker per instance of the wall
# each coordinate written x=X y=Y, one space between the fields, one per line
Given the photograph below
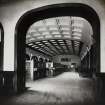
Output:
x=35 y=53
x=74 y=59
x=12 y=11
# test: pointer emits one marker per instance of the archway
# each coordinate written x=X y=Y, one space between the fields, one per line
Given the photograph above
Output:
x=34 y=15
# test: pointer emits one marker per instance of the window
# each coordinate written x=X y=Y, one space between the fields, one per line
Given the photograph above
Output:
x=65 y=59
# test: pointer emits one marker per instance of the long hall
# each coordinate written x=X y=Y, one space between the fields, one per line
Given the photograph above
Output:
x=52 y=52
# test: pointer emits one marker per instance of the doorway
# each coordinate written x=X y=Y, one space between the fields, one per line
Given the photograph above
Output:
x=79 y=10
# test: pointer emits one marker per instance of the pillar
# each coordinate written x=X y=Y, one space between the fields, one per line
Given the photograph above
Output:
x=8 y=81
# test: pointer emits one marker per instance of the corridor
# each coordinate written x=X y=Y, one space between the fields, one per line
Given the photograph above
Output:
x=52 y=52
x=65 y=89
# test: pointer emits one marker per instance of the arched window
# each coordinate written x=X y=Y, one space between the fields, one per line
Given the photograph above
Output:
x=27 y=57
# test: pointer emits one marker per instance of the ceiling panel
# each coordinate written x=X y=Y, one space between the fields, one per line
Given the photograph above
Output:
x=59 y=35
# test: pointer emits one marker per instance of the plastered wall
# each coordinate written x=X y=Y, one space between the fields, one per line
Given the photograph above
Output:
x=72 y=59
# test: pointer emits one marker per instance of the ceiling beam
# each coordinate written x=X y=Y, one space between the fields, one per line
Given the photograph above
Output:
x=73 y=46
x=49 y=48
x=27 y=46
x=69 y=52
x=54 y=47
x=43 y=49
x=63 y=50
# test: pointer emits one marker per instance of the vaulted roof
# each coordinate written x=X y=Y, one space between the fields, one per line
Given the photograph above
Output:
x=60 y=35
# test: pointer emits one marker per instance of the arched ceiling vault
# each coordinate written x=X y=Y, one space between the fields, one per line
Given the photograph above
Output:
x=60 y=35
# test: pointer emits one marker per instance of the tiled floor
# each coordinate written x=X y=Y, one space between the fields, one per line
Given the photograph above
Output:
x=65 y=89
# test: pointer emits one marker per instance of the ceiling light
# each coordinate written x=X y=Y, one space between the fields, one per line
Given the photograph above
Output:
x=65 y=28
x=45 y=33
x=30 y=44
x=67 y=36
x=44 y=41
x=77 y=30
x=36 y=47
x=42 y=29
x=40 y=37
x=58 y=36
x=52 y=40
x=36 y=35
x=76 y=34
x=55 y=44
x=66 y=32
x=76 y=37
x=53 y=28
x=77 y=25
x=76 y=45
x=60 y=40
x=76 y=42
x=55 y=32
x=62 y=44
x=48 y=36
x=31 y=39
x=50 y=21
x=40 y=44
x=37 y=42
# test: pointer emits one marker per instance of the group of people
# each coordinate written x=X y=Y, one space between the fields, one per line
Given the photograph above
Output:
x=40 y=68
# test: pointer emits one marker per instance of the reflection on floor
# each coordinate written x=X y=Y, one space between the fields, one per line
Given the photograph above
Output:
x=65 y=89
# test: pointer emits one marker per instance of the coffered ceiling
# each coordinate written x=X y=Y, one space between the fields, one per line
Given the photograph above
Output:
x=60 y=35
